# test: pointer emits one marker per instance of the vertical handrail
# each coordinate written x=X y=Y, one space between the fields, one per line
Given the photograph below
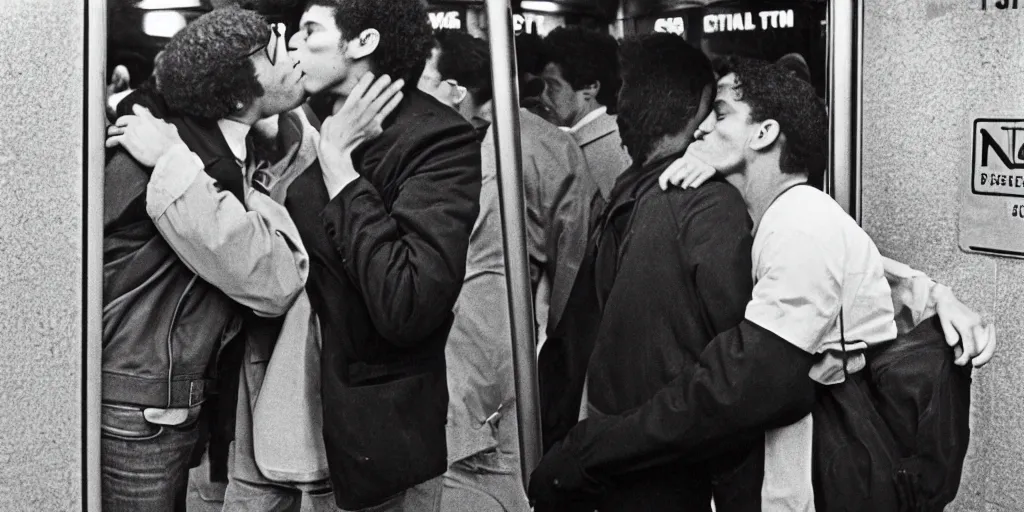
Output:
x=517 y=272
x=845 y=18
x=94 y=96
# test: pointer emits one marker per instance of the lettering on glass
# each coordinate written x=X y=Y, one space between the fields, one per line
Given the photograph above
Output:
x=445 y=20
x=670 y=25
x=998 y=157
x=527 y=22
x=748 y=21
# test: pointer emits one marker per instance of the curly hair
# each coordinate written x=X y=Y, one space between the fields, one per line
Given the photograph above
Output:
x=663 y=80
x=467 y=60
x=586 y=56
x=406 y=37
x=203 y=70
x=772 y=92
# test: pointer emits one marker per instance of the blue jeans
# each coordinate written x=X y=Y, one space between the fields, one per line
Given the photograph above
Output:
x=144 y=466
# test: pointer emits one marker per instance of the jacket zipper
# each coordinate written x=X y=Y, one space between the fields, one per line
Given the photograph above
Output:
x=170 y=347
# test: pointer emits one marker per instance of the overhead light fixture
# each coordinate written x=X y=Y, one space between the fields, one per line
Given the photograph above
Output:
x=532 y=5
x=157 y=5
x=163 y=23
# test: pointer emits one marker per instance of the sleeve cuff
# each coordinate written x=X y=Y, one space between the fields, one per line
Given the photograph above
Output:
x=173 y=174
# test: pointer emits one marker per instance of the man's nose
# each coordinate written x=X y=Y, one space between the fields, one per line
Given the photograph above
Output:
x=705 y=126
x=292 y=44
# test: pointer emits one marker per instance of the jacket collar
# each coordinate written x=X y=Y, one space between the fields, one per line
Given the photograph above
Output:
x=601 y=126
x=203 y=137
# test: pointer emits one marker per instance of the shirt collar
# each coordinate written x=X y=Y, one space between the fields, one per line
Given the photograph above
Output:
x=234 y=134
x=596 y=113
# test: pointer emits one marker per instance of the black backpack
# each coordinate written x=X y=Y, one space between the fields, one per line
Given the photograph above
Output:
x=893 y=437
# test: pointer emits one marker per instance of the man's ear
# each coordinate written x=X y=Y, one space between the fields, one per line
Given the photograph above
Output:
x=766 y=135
x=458 y=94
x=590 y=91
x=363 y=45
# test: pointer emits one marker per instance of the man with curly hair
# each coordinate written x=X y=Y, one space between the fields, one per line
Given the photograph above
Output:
x=581 y=81
x=387 y=223
x=193 y=244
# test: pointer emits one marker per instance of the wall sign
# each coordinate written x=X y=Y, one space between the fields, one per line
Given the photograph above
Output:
x=746 y=21
x=992 y=211
x=999 y=4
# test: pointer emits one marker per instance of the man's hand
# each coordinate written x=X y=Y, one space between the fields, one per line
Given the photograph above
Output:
x=972 y=338
x=559 y=478
x=688 y=171
x=145 y=137
x=355 y=121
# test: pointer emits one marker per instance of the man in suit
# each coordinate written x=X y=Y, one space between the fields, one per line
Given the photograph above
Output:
x=386 y=218
x=581 y=81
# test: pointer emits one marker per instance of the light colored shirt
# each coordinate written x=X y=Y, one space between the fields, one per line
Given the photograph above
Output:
x=810 y=261
x=587 y=119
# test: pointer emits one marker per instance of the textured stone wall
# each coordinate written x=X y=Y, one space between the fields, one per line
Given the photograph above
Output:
x=41 y=97
x=930 y=68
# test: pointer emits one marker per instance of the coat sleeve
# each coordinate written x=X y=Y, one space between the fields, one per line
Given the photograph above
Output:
x=911 y=294
x=568 y=221
x=747 y=380
x=409 y=263
x=253 y=255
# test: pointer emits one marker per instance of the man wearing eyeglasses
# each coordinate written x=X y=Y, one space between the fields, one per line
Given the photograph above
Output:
x=193 y=244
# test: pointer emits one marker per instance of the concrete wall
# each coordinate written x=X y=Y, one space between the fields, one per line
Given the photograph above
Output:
x=41 y=79
x=931 y=68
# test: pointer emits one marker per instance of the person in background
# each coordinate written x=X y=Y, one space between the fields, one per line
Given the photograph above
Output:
x=581 y=81
x=483 y=455
x=530 y=61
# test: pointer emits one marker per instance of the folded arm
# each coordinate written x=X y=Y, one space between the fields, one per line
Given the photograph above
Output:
x=409 y=261
x=254 y=256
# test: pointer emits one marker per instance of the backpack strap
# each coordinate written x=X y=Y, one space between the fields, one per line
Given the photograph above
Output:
x=842 y=341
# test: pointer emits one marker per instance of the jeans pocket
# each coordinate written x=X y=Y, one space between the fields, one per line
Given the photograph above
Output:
x=126 y=423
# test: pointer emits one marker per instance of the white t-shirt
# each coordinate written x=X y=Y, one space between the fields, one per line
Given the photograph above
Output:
x=809 y=259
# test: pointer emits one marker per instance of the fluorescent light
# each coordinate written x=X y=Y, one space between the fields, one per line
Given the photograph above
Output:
x=163 y=23
x=153 y=5
x=532 y=5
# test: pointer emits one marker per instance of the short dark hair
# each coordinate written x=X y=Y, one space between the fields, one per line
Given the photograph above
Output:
x=405 y=34
x=467 y=60
x=586 y=56
x=531 y=57
x=204 y=71
x=772 y=92
x=664 y=78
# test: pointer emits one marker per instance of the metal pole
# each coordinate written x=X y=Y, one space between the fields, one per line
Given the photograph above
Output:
x=95 y=98
x=845 y=30
x=517 y=272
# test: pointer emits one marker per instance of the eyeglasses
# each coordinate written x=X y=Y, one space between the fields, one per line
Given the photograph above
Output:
x=270 y=46
x=434 y=81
